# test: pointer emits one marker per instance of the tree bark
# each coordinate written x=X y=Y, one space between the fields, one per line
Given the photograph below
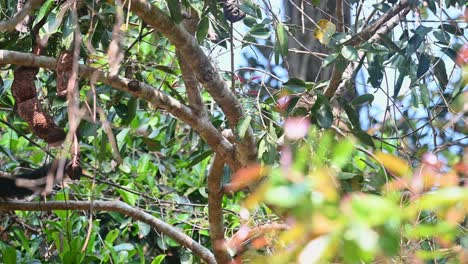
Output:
x=301 y=65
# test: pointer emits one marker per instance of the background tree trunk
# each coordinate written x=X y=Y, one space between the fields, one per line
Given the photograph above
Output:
x=303 y=66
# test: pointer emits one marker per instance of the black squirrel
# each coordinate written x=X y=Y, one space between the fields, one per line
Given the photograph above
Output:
x=27 y=184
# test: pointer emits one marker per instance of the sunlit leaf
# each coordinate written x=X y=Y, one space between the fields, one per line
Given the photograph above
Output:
x=394 y=164
x=243 y=126
x=324 y=31
x=350 y=53
x=282 y=38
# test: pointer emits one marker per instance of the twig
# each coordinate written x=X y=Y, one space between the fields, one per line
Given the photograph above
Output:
x=120 y=207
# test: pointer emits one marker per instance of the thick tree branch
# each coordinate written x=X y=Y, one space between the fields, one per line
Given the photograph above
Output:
x=120 y=207
x=215 y=210
x=190 y=80
x=9 y=25
x=191 y=85
x=388 y=21
x=204 y=128
x=204 y=70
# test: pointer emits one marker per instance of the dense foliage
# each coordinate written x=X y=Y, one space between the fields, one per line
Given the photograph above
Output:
x=256 y=166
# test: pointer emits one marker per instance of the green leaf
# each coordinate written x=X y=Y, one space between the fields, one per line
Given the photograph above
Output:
x=350 y=53
x=243 y=125
x=295 y=85
x=330 y=59
x=373 y=209
x=423 y=67
x=440 y=72
x=417 y=39
x=45 y=9
x=352 y=114
x=452 y=29
x=442 y=36
x=375 y=70
x=124 y=247
x=322 y=112
x=425 y=97
x=249 y=8
x=346 y=175
x=200 y=158
x=363 y=99
x=342 y=152
x=260 y=31
x=158 y=260
x=282 y=39
x=174 y=9
x=128 y=197
x=9 y=255
x=364 y=137
x=292 y=104
x=202 y=29
x=112 y=236
x=398 y=84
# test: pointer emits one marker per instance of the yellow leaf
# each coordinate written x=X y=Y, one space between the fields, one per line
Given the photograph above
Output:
x=394 y=164
x=324 y=31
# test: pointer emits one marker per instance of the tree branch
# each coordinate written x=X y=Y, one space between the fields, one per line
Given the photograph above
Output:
x=120 y=207
x=215 y=210
x=204 y=70
x=9 y=25
x=339 y=15
x=370 y=31
x=388 y=21
x=348 y=72
x=190 y=80
x=204 y=128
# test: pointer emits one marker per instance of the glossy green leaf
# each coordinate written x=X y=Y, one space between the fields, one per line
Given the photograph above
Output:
x=364 y=138
x=203 y=28
x=243 y=126
x=452 y=29
x=322 y=112
x=363 y=99
x=295 y=85
x=282 y=39
x=423 y=66
x=398 y=84
x=440 y=72
x=350 y=53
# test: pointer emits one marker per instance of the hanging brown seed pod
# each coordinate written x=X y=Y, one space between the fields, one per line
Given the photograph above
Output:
x=74 y=169
x=23 y=87
x=232 y=11
x=64 y=69
x=40 y=122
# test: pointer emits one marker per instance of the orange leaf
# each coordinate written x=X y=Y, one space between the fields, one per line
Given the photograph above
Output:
x=246 y=176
